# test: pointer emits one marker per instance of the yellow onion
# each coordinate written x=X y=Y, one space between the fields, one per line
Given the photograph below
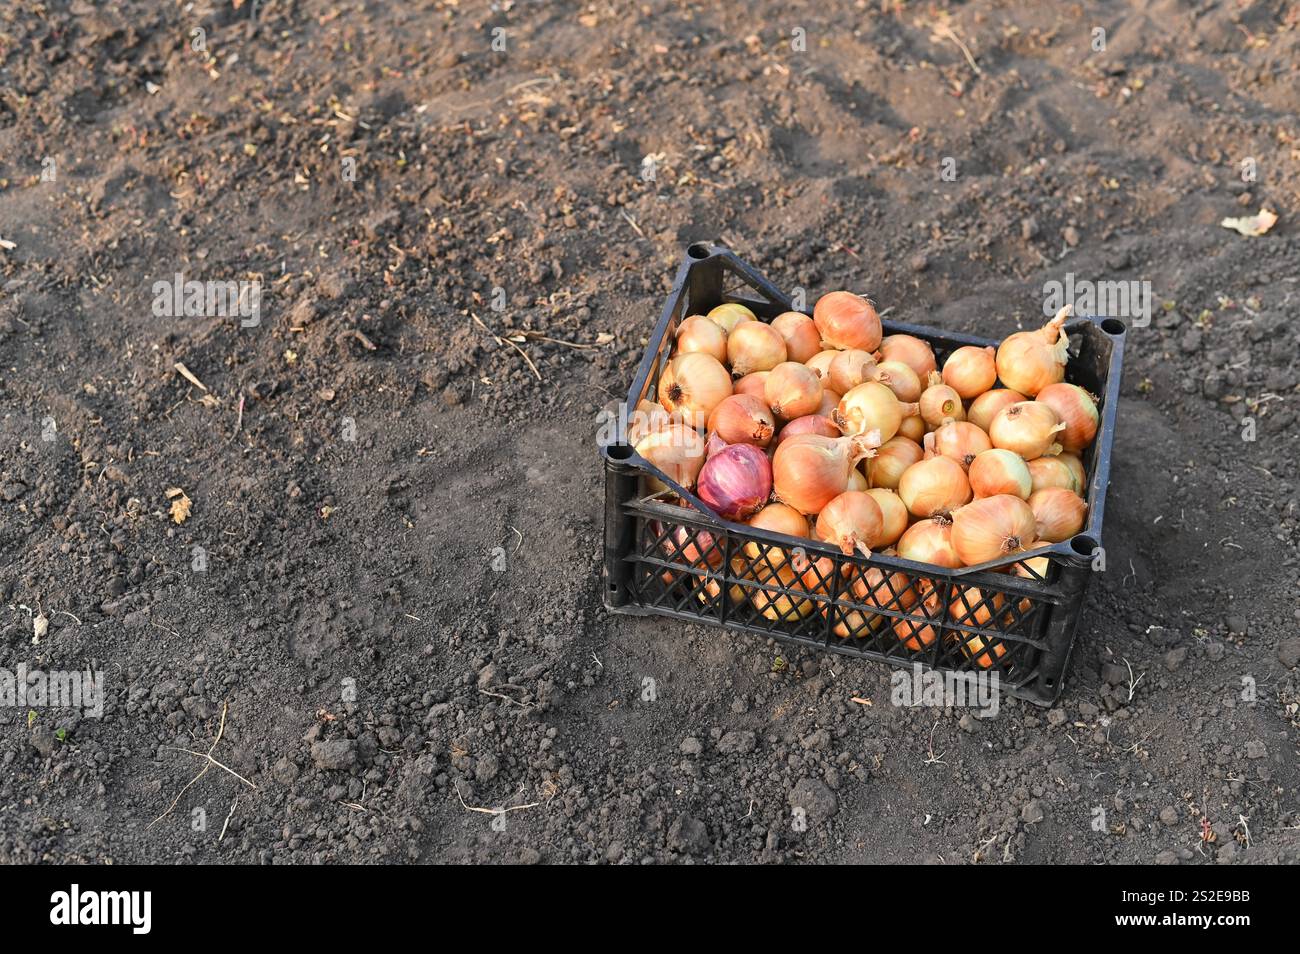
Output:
x=1029 y=361
x=713 y=582
x=830 y=401
x=686 y=547
x=848 y=369
x=809 y=470
x=1033 y=568
x=961 y=441
x=1076 y=467
x=917 y=635
x=874 y=588
x=689 y=545
x=730 y=314
x=743 y=419
x=792 y=390
x=970 y=608
x=970 y=371
x=820 y=364
x=754 y=346
x=852 y=521
x=1059 y=514
x=802 y=339
x=776 y=605
x=992 y=528
x=853 y=623
x=754 y=383
x=858 y=480
x=934 y=486
x=846 y=320
x=884 y=588
x=913 y=428
x=913 y=352
x=930 y=541
x=815 y=575
x=808 y=424
x=700 y=334
x=892 y=458
x=1051 y=472
x=1028 y=428
x=1077 y=410
x=900 y=379
x=871 y=407
x=692 y=385
x=777 y=518
x=999 y=471
x=893 y=514
x=984 y=408
x=678 y=450
x=648 y=418
x=940 y=403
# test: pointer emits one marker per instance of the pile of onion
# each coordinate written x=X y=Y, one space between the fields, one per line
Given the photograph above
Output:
x=821 y=428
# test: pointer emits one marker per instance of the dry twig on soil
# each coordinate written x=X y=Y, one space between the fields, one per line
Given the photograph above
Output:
x=203 y=771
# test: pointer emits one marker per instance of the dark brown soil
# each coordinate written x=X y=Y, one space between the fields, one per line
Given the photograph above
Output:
x=441 y=568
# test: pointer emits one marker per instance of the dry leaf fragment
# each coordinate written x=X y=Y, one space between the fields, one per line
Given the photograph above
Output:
x=40 y=626
x=604 y=338
x=188 y=375
x=180 y=508
x=1252 y=225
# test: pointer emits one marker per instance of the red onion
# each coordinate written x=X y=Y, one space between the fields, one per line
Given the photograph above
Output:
x=736 y=481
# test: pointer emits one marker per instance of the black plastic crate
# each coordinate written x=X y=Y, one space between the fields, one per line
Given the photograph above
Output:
x=687 y=563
